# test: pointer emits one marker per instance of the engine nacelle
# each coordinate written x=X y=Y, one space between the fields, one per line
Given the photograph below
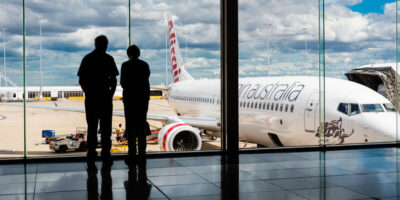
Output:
x=179 y=137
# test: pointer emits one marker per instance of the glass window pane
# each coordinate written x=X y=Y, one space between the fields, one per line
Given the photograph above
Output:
x=278 y=65
x=11 y=80
x=360 y=70
x=58 y=37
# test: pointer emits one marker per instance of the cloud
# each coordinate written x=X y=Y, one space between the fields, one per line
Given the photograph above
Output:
x=69 y=27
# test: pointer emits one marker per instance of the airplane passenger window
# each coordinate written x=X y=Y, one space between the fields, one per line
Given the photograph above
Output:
x=343 y=108
x=259 y=105
x=251 y=104
x=255 y=105
x=354 y=109
x=263 y=106
x=272 y=106
x=240 y=104
x=292 y=108
x=281 y=108
x=276 y=107
x=268 y=106
x=248 y=104
x=286 y=107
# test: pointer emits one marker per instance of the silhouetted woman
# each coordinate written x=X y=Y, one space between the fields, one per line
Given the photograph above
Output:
x=135 y=75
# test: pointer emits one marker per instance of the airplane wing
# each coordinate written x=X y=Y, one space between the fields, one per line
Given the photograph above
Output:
x=202 y=123
x=162 y=87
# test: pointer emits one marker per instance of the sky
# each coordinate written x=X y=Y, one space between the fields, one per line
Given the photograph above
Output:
x=357 y=32
x=370 y=6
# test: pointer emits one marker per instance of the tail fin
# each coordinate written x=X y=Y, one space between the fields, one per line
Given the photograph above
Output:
x=178 y=70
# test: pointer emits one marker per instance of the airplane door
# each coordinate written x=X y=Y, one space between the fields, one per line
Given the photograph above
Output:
x=310 y=113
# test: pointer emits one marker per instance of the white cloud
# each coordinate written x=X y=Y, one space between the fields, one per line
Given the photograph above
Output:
x=352 y=39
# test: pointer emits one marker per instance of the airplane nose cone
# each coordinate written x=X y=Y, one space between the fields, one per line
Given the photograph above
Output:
x=383 y=127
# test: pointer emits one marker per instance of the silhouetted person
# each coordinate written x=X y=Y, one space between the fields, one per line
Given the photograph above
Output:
x=93 y=185
x=97 y=77
x=137 y=186
x=135 y=75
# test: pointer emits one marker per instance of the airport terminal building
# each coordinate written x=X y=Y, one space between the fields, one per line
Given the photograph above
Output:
x=10 y=94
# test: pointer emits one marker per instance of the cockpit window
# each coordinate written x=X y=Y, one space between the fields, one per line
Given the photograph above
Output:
x=343 y=108
x=389 y=107
x=371 y=108
x=354 y=109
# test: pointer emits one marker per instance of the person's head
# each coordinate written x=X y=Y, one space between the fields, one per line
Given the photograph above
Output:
x=101 y=42
x=120 y=125
x=133 y=52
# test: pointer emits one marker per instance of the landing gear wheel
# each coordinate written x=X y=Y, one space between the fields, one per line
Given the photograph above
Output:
x=82 y=147
x=213 y=138
x=261 y=146
x=62 y=149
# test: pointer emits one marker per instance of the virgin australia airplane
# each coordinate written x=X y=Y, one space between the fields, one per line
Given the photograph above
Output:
x=273 y=111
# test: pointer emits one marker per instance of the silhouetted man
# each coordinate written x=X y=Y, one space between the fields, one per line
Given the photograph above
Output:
x=97 y=77
x=136 y=95
x=137 y=186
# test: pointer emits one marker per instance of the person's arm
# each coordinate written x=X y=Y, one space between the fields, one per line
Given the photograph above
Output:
x=123 y=80
x=113 y=77
x=82 y=75
x=147 y=71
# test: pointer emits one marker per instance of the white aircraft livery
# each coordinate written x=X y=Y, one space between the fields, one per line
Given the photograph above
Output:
x=273 y=111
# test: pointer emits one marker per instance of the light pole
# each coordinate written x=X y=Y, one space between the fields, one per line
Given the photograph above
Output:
x=41 y=57
x=305 y=46
x=4 y=57
x=187 y=35
x=267 y=26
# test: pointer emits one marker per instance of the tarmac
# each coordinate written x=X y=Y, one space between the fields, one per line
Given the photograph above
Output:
x=67 y=122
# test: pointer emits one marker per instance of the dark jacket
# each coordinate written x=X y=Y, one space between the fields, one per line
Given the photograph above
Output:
x=135 y=75
x=97 y=74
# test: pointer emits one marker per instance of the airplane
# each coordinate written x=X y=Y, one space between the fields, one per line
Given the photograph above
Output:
x=273 y=111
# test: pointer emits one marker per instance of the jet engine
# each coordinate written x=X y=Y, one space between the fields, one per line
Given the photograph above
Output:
x=179 y=137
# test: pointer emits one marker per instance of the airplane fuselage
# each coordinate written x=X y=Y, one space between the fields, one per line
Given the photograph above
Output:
x=284 y=111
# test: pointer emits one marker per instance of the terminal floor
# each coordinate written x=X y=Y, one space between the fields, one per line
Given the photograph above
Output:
x=350 y=174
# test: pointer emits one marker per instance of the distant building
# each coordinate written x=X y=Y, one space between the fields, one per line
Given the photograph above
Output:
x=55 y=92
